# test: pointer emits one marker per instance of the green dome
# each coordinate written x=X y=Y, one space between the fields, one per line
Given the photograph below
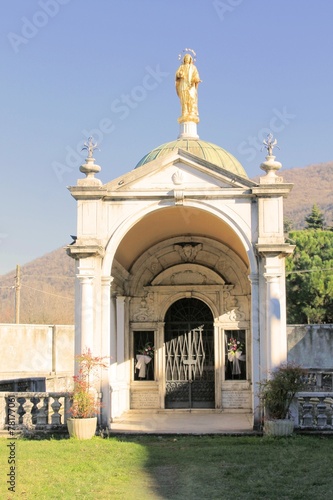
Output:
x=205 y=150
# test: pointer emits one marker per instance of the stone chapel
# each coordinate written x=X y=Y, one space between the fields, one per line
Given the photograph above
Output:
x=181 y=273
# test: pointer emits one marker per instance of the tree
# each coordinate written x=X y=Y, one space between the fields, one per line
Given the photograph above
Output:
x=288 y=225
x=316 y=219
x=310 y=278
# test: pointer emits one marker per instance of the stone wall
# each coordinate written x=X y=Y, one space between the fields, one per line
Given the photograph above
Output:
x=48 y=351
x=38 y=351
x=311 y=346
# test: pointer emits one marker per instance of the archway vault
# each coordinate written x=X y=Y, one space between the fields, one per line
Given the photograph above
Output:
x=170 y=222
x=185 y=266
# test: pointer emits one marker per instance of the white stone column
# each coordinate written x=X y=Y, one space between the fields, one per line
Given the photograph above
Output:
x=160 y=362
x=113 y=339
x=113 y=359
x=121 y=386
x=276 y=334
x=86 y=312
x=106 y=347
x=120 y=304
x=255 y=347
x=219 y=362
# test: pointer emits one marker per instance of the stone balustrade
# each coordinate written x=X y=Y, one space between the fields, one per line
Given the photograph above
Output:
x=48 y=411
x=313 y=411
x=319 y=381
x=31 y=411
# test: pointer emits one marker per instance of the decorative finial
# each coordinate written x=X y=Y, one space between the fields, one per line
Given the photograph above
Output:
x=89 y=167
x=270 y=143
x=187 y=81
x=270 y=166
x=90 y=146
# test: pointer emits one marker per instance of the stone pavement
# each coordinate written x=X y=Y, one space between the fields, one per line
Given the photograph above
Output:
x=183 y=422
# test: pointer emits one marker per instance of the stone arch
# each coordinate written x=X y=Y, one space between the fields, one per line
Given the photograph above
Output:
x=212 y=255
x=210 y=272
x=225 y=214
x=170 y=300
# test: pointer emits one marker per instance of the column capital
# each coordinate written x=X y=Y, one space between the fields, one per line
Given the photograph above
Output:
x=121 y=298
x=106 y=280
x=85 y=279
x=274 y=250
x=272 y=278
x=253 y=279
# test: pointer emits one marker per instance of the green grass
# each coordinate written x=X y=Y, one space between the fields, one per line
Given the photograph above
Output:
x=172 y=467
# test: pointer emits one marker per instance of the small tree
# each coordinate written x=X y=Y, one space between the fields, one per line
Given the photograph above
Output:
x=315 y=220
x=277 y=392
x=84 y=401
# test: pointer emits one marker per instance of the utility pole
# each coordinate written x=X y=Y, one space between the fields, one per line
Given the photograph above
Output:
x=17 y=293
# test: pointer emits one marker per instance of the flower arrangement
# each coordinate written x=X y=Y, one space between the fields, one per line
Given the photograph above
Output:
x=148 y=350
x=234 y=346
x=235 y=349
x=84 y=401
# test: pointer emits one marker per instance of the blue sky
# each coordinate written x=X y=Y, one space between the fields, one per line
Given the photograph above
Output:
x=72 y=68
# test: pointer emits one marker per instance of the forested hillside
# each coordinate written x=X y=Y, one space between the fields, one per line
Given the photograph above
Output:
x=46 y=292
x=312 y=185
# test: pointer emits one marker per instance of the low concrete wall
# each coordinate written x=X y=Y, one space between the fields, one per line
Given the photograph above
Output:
x=38 y=351
x=311 y=346
x=48 y=351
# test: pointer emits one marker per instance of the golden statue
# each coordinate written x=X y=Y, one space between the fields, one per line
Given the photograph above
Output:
x=187 y=81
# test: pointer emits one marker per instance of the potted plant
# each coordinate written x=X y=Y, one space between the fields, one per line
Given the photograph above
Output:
x=276 y=394
x=85 y=403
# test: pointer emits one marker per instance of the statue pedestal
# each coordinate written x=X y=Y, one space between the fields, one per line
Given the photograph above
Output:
x=188 y=130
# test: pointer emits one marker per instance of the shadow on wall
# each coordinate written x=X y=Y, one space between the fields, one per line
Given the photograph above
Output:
x=311 y=346
x=275 y=308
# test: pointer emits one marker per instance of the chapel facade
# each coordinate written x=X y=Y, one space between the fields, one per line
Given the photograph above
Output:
x=181 y=274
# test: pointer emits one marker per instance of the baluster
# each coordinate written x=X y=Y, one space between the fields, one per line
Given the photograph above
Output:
x=27 y=417
x=321 y=417
x=42 y=415
x=34 y=410
x=307 y=415
x=20 y=409
x=56 y=405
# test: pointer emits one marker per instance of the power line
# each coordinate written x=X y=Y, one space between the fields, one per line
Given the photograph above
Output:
x=61 y=276
x=310 y=270
x=47 y=293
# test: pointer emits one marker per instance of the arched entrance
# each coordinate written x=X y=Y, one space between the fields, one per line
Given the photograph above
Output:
x=189 y=355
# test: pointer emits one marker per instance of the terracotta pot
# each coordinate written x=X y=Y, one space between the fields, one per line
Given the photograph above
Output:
x=279 y=427
x=82 y=428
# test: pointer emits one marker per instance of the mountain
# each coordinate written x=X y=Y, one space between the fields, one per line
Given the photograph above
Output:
x=312 y=185
x=47 y=283
x=46 y=292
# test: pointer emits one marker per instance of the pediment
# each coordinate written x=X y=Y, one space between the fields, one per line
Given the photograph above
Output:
x=178 y=170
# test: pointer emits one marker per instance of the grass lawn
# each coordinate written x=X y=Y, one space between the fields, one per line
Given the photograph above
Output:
x=171 y=467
